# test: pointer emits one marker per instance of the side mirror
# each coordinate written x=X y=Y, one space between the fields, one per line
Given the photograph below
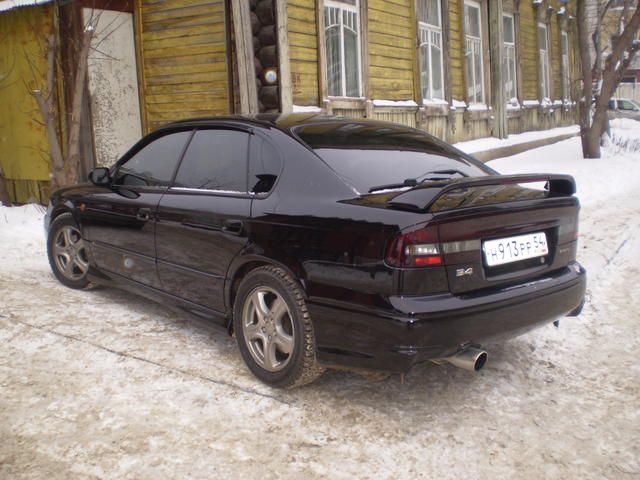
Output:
x=100 y=176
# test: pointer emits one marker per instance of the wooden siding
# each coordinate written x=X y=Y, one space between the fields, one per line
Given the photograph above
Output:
x=529 y=50
x=182 y=59
x=555 y=59
x=455 y=55
x=24 y=148
x=303 y=51
x=391 y=49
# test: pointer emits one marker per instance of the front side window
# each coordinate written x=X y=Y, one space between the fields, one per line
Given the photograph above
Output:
x=566 y=85
x=430 y=32
x=473 y=36
x=509 y=60
x=342 y=43
x=543 y=47
x=153 y=165
x=215 y=160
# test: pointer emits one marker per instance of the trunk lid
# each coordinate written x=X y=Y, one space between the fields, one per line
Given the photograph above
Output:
x=489 y=229
x=464 y=238
x=474 y=215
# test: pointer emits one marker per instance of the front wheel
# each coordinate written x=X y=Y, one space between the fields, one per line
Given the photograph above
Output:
x=67 y=253
x=274 y=330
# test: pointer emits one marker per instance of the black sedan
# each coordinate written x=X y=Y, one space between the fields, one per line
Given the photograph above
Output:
x=324 y=242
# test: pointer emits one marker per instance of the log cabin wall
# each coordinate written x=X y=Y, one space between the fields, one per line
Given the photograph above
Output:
x=182 y=60
x=265 y=50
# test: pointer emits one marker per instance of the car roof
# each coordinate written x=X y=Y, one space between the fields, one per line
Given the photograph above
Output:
x=285 y=122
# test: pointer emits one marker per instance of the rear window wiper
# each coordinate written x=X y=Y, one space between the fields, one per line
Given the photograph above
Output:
x=433 y=176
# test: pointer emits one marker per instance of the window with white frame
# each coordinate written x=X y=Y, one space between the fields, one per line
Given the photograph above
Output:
x=430 y=36
x=342 y=43
x=543 y=47
x=473 y=37
x=566 y=85
x=509 y=59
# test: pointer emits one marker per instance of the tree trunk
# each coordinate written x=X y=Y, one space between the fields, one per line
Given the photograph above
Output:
x=587 y=79
x=46 y=105
x=73 y=145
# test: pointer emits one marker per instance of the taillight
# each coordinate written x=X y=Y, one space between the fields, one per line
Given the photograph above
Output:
x=415 y=247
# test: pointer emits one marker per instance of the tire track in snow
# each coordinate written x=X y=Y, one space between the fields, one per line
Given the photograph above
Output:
x=151 y=362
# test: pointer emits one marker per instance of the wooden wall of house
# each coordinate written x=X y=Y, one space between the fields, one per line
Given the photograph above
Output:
x=303 y=51
x=182 y=59
x=24 y=148
x=556 y=62
x=455 y=55
x=391 y=48
x=529 y=50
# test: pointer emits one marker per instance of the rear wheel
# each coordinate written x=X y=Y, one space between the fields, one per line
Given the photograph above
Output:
x=274 y=330
x=67 y=253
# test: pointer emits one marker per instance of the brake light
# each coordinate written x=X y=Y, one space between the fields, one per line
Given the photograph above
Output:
x=417 y=247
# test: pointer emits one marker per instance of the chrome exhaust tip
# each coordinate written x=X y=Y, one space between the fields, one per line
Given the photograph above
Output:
x=471 y=358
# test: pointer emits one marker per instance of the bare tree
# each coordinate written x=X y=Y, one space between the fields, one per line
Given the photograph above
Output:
x=65 y=163
x=602 y=77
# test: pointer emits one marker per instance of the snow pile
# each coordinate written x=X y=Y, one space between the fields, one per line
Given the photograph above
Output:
x=594 y=177
x=306 y=109
x=22 y=238
x=394 y=103
x=625 y=134
x=489 y=143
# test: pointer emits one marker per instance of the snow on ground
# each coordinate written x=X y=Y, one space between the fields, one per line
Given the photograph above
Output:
x=489 y=143
x=103 y=384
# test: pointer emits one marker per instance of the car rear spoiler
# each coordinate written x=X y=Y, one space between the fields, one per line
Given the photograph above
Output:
x=425 y=195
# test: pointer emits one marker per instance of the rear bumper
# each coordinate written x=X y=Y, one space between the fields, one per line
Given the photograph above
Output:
x=411 y=330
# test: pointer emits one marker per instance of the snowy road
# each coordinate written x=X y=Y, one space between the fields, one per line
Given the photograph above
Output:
x=102 y=384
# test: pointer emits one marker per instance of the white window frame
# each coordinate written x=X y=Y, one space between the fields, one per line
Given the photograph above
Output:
x=509 y=57
x=544 y=68
x=471 y=41
x=426 y=34
x=566 y=74
x=355 y=9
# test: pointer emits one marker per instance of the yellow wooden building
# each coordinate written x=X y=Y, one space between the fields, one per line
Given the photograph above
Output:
x=460 y=69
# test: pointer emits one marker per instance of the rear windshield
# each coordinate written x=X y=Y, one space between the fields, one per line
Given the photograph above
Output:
x=369 y=155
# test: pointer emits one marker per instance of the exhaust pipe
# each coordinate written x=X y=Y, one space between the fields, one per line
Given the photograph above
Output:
x=471 y=358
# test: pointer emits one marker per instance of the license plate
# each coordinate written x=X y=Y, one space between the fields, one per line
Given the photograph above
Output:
x=515 y=249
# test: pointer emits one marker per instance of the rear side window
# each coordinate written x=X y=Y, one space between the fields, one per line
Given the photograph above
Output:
x=264 y=166
x=367 y=155
x=215 y=160
x=153 y=165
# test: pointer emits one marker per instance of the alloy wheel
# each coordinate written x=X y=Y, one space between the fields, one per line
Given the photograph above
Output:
x=69 y=253
x=268 y=329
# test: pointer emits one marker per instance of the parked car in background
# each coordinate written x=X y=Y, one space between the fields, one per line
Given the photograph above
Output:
x=324 y=242
x=624 y=108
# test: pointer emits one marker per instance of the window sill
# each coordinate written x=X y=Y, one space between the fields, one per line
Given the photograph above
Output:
x=435 y=109
x=475 y=115
x=345 y=102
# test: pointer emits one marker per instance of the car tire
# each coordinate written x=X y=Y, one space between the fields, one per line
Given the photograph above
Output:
x=273 y=329
x=67 y=253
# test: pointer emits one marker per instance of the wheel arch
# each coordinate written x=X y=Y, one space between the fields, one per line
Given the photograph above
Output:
x=62 y=207
x=241 y=267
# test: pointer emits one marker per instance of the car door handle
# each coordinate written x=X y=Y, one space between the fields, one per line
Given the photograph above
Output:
x=143 y=214
x=234 y=227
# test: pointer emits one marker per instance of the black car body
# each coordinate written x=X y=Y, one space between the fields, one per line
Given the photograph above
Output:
x=390 y=277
